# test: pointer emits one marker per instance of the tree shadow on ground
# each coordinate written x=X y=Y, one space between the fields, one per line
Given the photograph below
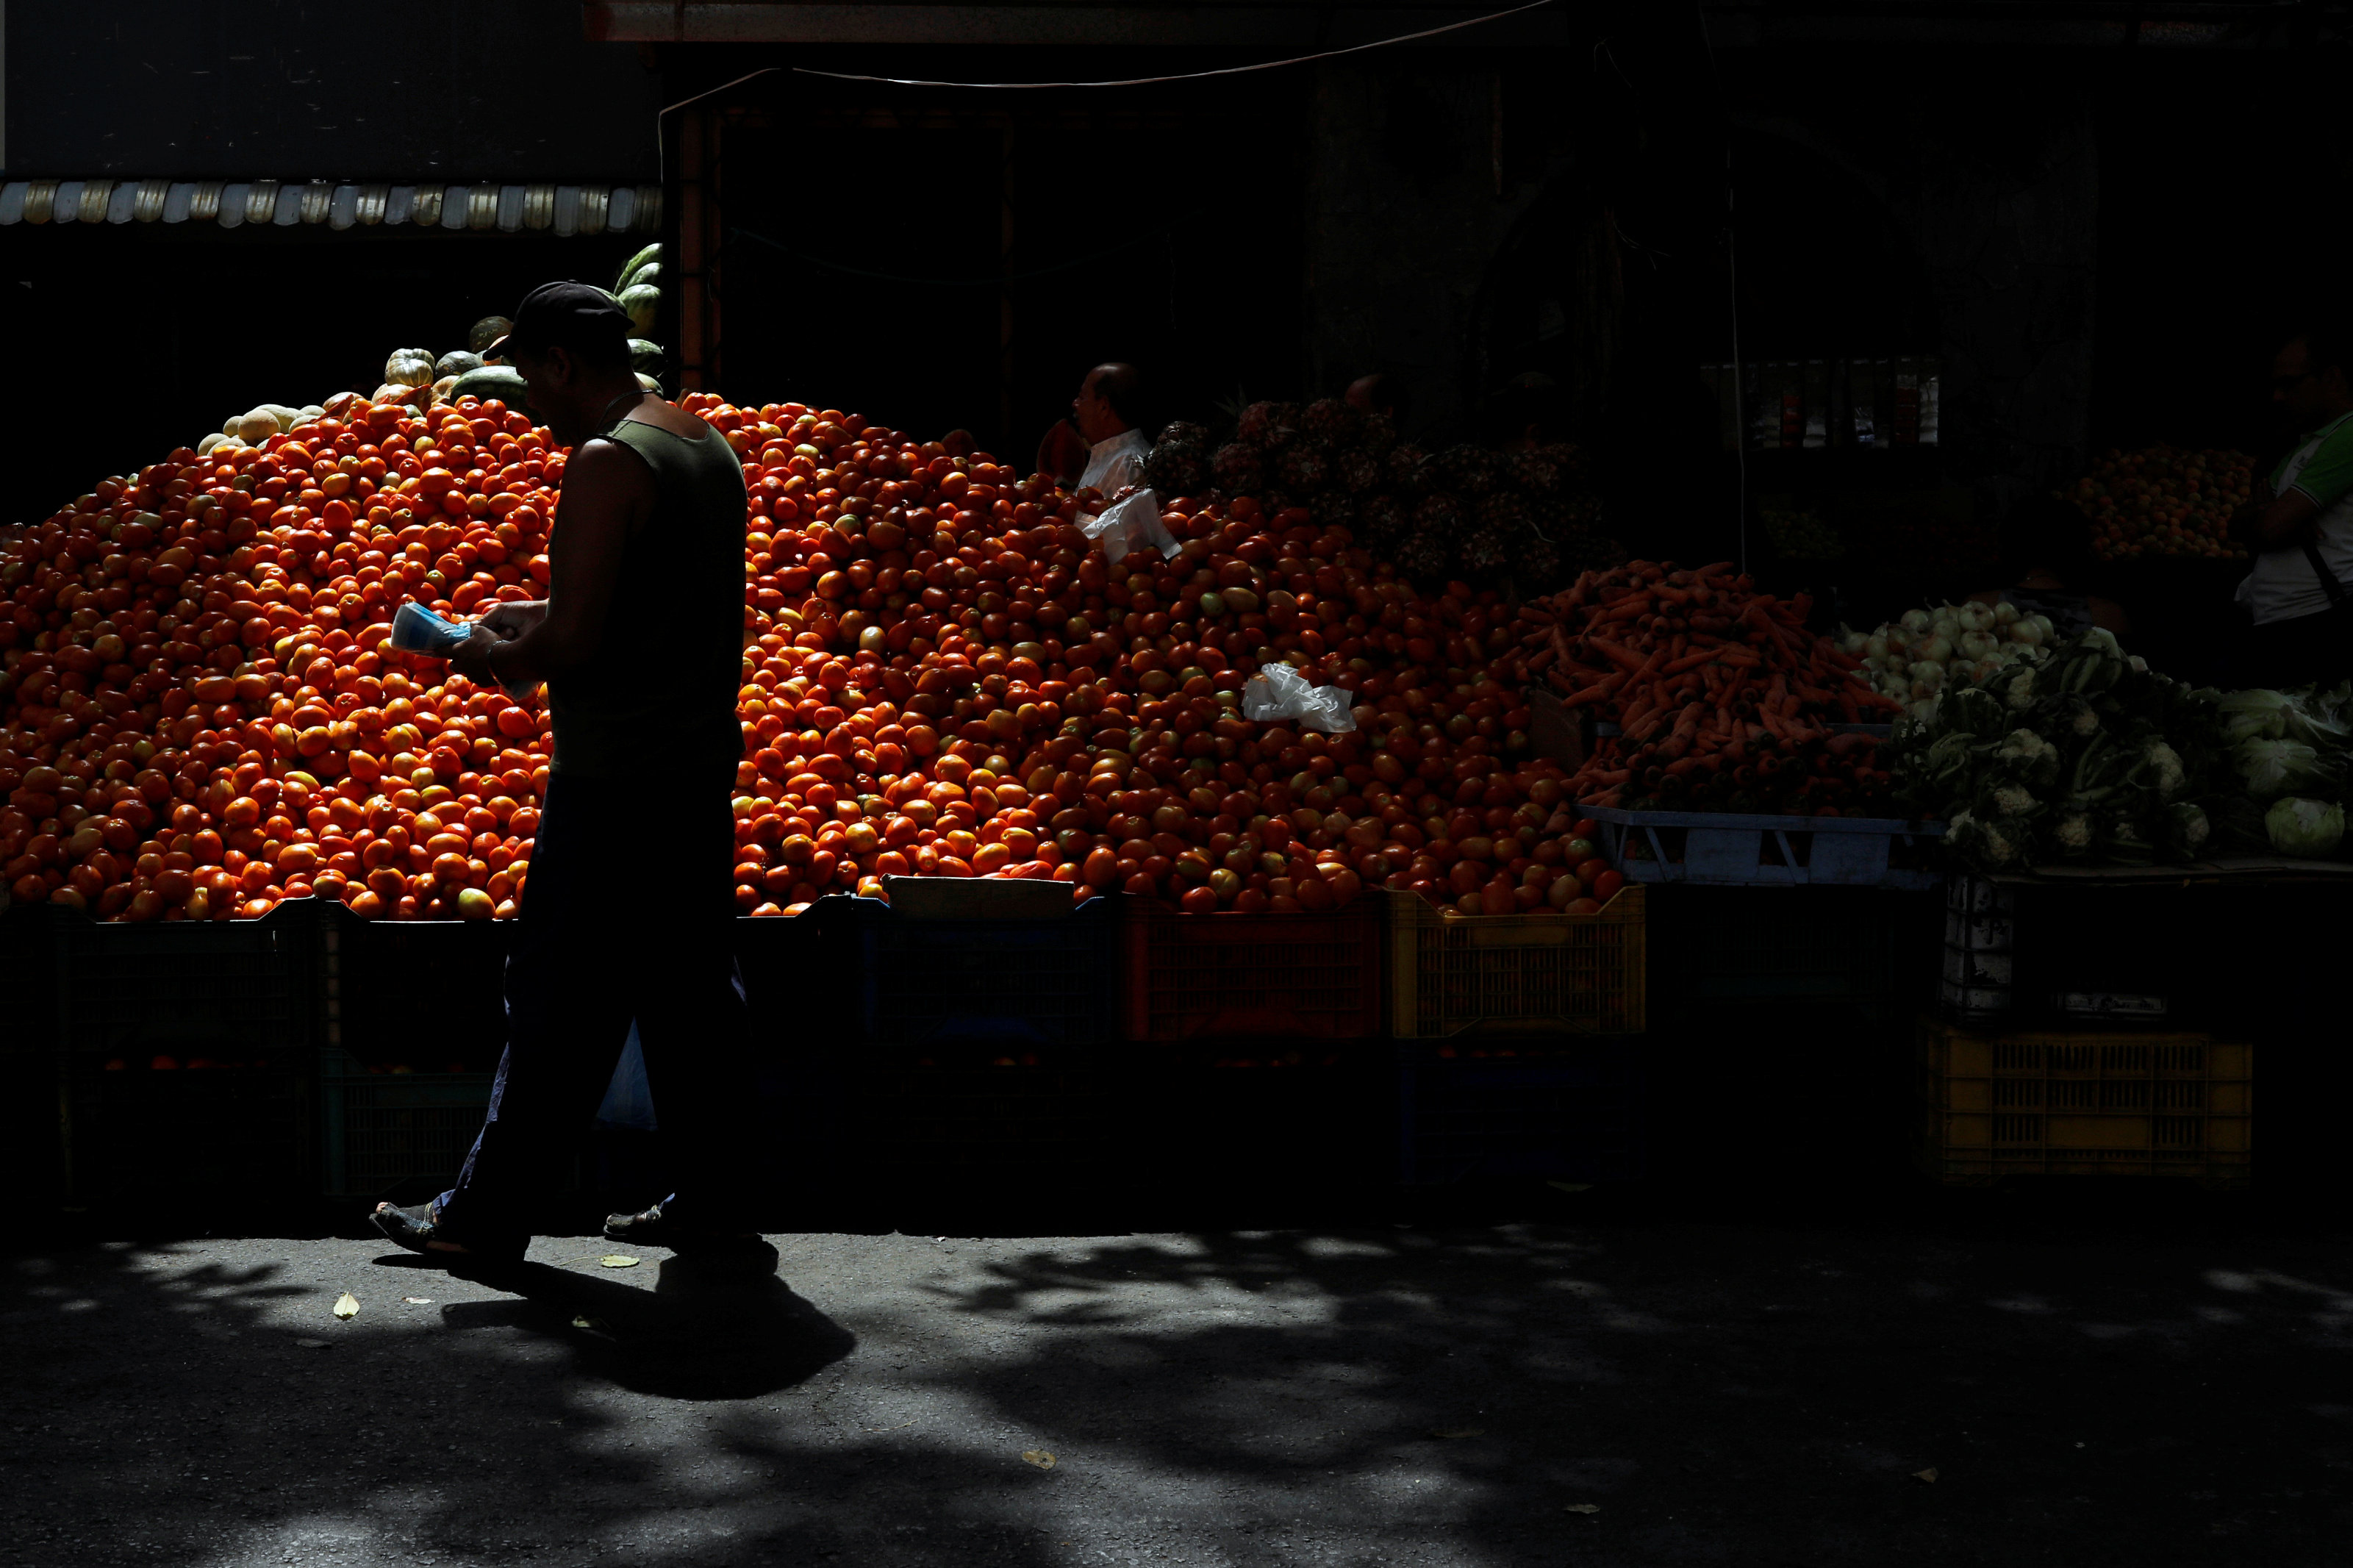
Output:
x=1402 y=1396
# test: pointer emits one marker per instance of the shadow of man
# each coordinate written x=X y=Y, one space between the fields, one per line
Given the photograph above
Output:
x=710 y=1329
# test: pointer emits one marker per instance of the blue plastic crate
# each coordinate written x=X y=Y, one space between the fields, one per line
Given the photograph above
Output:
x=1727 y=849
x=1574 y=1113
x=383 y=1134
x=1014 y=986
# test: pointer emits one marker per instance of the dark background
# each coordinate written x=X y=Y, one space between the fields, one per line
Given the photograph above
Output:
x=2104 y=239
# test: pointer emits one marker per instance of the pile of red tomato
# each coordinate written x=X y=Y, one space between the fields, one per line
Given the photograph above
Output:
x=200 y=715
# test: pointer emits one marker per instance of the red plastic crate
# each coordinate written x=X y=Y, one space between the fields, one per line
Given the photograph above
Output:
x=1280 y=976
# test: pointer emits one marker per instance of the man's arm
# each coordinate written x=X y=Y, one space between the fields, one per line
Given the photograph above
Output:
x=2287 y=521
x=2293 y=517
x=608 y=492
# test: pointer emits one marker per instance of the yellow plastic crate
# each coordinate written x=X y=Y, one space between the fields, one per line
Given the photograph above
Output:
x=2035 y=1103
x=1535 y=974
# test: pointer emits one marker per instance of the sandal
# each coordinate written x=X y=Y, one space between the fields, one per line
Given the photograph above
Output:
x=419 y=1230
x=650 y=1229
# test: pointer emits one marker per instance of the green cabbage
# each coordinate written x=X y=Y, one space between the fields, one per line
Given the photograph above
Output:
x=2274 y=768
x=2306 y=827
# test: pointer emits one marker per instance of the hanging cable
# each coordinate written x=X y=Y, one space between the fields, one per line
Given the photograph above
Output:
x=1130 y=82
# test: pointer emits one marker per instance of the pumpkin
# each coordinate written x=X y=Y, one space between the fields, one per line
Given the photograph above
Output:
x=441 y=388
x=486 y=331
x=488 y=381
x=456 y=362
x=410 y=367
x=418 y=397
x=649 y=257
x=644 y=355
x=642 y=302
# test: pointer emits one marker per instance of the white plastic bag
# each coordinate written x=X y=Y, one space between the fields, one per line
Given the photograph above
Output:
x=1280 y=691
x=1129 y=526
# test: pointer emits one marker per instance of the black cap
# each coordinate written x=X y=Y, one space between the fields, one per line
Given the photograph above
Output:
x=569 y=316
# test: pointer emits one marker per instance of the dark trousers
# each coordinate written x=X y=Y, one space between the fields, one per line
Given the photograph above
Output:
x=2306 y=650
x=622 y=918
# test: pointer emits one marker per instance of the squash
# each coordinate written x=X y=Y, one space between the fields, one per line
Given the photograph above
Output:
x=648 y=275
x=205 y=446
x=649 y=257
x=418 y=397
x=286 y=418
x=486 y=382
x=486 y=331
x=456 y=362
x=643 y=303
x=410 y=367
x=644 y=355
x=258 y=425
x=441 y=388
x=650 y=383
x=333 y=407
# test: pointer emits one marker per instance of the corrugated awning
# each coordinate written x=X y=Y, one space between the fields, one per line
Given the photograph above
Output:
x=541 y=208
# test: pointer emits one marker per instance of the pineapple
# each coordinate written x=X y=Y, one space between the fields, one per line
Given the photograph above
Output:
x=1408 y=469
x=1533 y=472
x=1256 y=422
x=1467 y=468
x=1301 y=468
x=1356 y=470
x=1441 y=516
x=1329 y=420
x=1284 y=428
x=1238 y=469
x=1375 y=433
x=1182 y=432
x=1384 y=521
x=1175 y=471
x=1425 y=556
x=1332 y=509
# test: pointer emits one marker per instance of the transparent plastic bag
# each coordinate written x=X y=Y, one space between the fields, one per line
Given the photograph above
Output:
x=1278 y=691
x=1130 y=525
x=628 y=1099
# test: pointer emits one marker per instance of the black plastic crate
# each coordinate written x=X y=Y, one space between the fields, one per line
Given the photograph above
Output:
x=1732 y=944
x=1014 y=986
x=1497 y=1110
x=998 y=1129
x=222 y=991
x=1273 y=1119
x=177 y=1138
x=429 y=995
x=401 y=1135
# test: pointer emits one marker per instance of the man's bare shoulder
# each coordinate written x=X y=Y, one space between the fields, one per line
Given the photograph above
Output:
x=603 y=463
x=668 y=417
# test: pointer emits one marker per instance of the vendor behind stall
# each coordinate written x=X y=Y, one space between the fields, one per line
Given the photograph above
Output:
x=1100 y=446
x=2301 y=590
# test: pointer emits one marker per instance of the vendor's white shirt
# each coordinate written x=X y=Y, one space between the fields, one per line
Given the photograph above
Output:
x=1116 y=462
x=2282 y=586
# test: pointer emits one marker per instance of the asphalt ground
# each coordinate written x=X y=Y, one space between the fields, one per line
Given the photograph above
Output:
x=2013 y=1378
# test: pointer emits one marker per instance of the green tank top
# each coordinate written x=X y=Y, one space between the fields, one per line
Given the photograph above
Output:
x=671 y=705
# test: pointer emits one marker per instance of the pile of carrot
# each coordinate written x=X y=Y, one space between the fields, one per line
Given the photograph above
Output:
x=1720 y=697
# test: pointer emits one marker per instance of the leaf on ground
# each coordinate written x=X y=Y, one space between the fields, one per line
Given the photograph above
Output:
x=594 y=1325
x=1582 y=1507
x=419 y=1300
x=313 y=1344
x=1571 y=1186
x=1039 y=1458
x=1928 y=1474
x=1459 y=1432
x=618 y=1260
x=348 y=1306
